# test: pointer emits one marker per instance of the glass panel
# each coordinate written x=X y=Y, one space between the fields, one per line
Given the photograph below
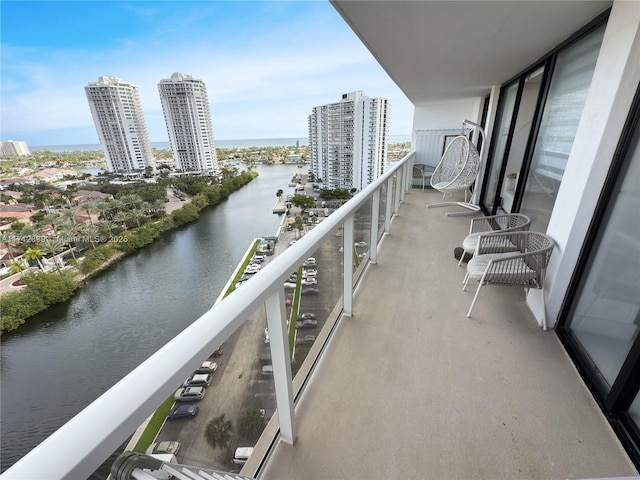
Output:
x=361 y=237
x=526 y=110
x=563 y=109
x=501 y=142
x=606 y=315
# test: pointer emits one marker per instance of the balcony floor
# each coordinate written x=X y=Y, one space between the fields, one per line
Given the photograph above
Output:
x=410 y=388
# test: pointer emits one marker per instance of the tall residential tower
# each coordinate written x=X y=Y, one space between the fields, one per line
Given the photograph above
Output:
x=348 y=140
x=117 y=114
x=186 y=111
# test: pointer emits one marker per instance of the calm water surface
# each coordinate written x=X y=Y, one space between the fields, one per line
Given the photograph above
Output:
x=67 y=356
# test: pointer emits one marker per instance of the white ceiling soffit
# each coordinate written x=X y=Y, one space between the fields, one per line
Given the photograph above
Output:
x=439 y=51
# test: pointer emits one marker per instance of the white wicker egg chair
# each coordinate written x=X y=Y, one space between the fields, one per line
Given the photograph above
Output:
x=457 y=172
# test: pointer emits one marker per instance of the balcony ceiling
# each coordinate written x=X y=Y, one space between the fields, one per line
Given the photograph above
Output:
x=439 y=51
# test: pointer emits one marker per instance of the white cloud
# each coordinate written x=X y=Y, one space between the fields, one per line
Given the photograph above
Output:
x=259 y=86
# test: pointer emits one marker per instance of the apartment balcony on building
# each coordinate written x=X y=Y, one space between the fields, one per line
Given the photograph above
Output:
x=398 y=382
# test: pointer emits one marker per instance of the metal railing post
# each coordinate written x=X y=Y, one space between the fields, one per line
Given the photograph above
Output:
x=373 y=239
x=388 y=207
x=281 y=363
x=347 y=278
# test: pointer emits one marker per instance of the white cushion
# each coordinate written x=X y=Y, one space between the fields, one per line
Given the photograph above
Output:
x=498 y=244
x=515 y=271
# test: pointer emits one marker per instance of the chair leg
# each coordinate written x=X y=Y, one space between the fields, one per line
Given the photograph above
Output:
x=475 y=297
x=466 y=281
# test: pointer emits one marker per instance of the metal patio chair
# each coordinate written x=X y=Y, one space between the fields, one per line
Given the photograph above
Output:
x=526 y=266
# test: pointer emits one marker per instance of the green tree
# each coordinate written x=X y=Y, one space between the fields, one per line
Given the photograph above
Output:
x=50 y=287
x=53 y=246
x=218 y=432
x=34 y=254
x=251 y=425
x=302 y=201
x=279 y=193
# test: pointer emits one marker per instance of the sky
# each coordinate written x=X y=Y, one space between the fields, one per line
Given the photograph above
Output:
x=266 y=64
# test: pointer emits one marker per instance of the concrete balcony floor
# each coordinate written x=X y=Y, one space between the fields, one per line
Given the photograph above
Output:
x=409 y=387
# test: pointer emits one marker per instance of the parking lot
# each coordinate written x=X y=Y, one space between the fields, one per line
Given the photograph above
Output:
x=238 y=384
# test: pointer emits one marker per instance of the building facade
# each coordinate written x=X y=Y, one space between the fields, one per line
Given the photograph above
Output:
x=117 y=114
x=186 y=111
x=348 y=140
x=11 y=148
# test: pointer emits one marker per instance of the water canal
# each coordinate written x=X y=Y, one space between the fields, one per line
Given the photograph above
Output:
x=66 y=357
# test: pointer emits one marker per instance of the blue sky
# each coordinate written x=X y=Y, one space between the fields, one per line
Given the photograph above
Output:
x=266 y=64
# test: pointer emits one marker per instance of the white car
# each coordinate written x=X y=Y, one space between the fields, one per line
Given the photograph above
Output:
x=163 y=447
x=360 y=244
x=309 y=281
x=207 y=367
x=289 y=285
x=309 y=273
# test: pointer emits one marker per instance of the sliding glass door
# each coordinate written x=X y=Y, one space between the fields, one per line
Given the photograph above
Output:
x=600 y=323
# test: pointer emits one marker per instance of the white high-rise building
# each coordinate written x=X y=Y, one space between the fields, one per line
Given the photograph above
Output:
x=186 y=111
x=348 y=141
x=11 y=148
x=117 y=114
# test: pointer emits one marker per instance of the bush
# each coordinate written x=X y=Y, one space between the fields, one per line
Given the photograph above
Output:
x=96 y=257
x=186 y=214
x=50 y=287
x=16 y=306
x=43 y=289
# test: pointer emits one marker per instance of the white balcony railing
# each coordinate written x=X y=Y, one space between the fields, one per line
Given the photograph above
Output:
x=80 y=446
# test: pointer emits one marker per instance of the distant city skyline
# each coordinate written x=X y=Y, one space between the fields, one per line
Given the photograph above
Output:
x=266 y=65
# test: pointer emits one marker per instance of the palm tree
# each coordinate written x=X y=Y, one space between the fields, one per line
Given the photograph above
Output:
x=68 y=233
x=53 y=246
x=251 y=425
x=16 y=267
x=131 y=201
x=122 y=217
x=102 y=208
x=34 y=254
x=107 y=226
x=88 y=207
x=137 y=214
x=91 y=232
x=5 y=239
x=218 y=432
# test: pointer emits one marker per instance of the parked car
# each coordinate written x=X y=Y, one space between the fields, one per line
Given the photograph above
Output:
x=292 y=242
x=293 y=279
x=170 y=447
x=309 y=273
x=306 y=340
x=266 y=338
x=189 y=394
x=183 y=411
x=217 y=353
x=309 y=263
x=289 y=285
x=306 y=315
x=207 y=367
x=198 y=380
x=310 y=291
x=309 y=323
x=360 y=244
x=309 y=281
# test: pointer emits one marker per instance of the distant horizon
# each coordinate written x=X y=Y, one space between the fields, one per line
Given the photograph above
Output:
x=222 y=143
